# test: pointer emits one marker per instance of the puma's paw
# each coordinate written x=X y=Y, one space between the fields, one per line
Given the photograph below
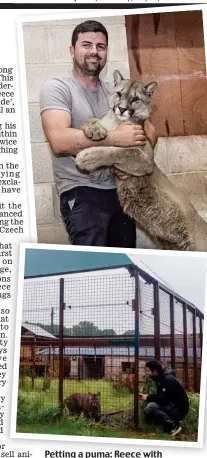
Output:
x=94 y=130
x=86 y=160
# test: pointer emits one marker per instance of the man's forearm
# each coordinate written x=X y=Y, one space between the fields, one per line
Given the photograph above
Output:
x=159 y=398
x=70 y=141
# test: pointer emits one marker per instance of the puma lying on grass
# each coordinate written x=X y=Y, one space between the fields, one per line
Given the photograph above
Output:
x=159 y=208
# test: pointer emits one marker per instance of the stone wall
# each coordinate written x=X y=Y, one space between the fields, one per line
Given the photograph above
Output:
x=46 y=44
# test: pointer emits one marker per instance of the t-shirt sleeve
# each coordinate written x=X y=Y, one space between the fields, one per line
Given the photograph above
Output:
x=55 y=95
x=109 y=86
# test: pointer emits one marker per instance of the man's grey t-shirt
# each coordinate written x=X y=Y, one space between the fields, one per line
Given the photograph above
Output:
x=68 y=94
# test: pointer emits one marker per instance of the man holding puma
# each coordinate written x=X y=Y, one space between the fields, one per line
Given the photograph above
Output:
x=90 y=209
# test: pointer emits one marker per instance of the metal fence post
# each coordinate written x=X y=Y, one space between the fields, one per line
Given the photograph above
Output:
x=185 y=338
x=61 y=324
x=172 y=330
x=201 y=334
x=136 y=348
x=157 y=320
x=33 y=362
x=195 y=378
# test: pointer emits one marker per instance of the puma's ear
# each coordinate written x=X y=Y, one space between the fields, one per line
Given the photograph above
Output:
x=150 y=88
x=117 y=77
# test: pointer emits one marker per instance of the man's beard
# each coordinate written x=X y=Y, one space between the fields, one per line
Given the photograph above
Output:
x=87 y=68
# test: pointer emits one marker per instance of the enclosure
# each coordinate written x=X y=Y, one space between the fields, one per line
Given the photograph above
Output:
x=93 y=331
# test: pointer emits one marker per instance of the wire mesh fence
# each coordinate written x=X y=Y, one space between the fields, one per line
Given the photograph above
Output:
x=98 y=306
x=85 y=338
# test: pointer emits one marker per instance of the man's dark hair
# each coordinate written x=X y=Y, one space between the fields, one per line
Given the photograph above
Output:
x=88 y=26
x=154 y=365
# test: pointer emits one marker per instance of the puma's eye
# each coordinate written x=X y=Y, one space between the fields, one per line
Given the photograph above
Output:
x=119 y=94
x=135 y=99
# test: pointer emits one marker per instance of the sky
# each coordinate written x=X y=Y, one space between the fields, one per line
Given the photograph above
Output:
x=184 y=273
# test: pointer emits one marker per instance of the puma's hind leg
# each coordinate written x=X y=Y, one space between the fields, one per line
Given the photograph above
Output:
x=174 y=235
x=169 y=228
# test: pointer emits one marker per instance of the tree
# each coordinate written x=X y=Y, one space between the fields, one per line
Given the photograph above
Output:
x=108 y=332
x=130 y=332
x=82 y=329
x=85 y=329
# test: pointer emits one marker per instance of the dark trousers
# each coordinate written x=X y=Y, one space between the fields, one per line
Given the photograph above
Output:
x=168 y=416
x=94 y=217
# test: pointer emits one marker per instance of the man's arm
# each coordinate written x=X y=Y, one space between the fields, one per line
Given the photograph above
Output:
x=62 y=138
x=65 y=140
x=163 y=395
x=160 y=398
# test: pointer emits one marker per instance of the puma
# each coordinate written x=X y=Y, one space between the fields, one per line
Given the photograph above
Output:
x=86 y=403
x=159 y=208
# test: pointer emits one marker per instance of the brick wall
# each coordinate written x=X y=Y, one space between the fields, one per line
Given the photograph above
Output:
x=47 y=55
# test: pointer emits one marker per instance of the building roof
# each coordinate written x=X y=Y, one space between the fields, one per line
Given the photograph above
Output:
x=37 y=330
x=43 y=262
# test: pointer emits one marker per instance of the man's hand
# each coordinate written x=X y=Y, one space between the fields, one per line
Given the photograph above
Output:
x=127 y=135
x=143 y=397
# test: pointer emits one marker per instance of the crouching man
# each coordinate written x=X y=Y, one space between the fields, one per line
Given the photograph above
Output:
x=170 y=404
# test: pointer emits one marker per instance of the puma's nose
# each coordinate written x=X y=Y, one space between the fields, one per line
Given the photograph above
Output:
x=122 y=110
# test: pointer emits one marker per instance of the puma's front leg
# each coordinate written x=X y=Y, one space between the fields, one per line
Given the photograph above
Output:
x=130 y=160
x=94 y=130
x=93 y=158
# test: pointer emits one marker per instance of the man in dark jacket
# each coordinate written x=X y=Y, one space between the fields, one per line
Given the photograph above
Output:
x=170 y=404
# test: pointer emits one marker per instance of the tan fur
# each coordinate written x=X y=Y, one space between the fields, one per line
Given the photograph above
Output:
x=158 y=207
x=86 y=403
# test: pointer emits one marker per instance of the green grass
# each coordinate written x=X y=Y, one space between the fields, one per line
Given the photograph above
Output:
x=82 y=428
x=38 y=413
x=111 y=399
